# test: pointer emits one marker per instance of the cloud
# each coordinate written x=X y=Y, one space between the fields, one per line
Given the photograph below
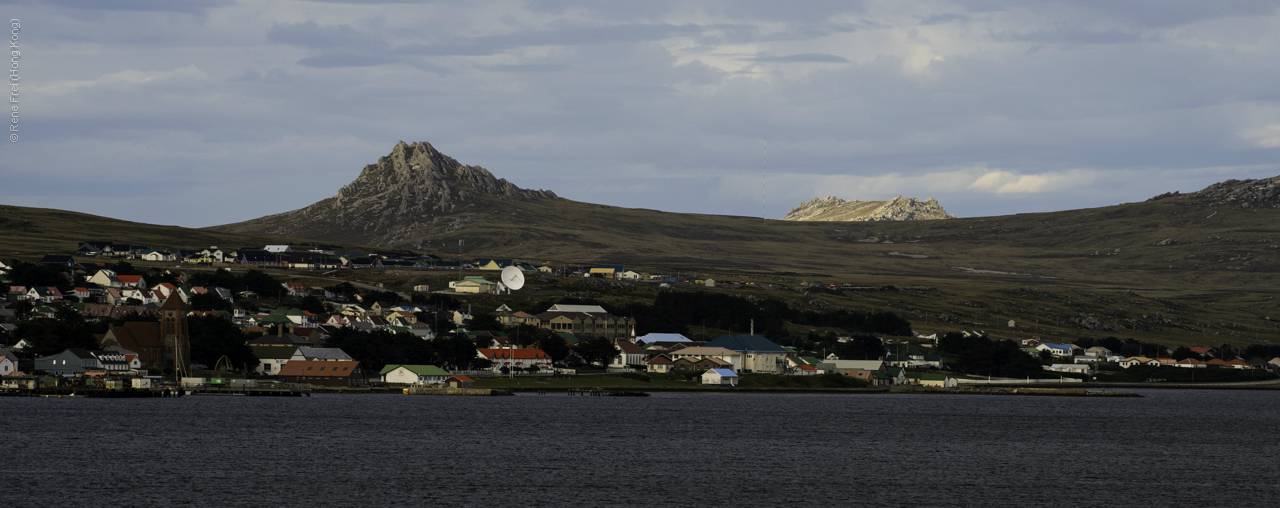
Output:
x=938 y=19
x=184 y=6
x=1004 y=182
x=801 y=58
x=1264 y=137
x=1070 y=36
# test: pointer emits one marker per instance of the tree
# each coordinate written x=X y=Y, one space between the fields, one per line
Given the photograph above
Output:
x=31 y=274
x=483 y=321
x=456 y=351
x=860 y=347
x=312 y=304
x=1183 y=352
x=212 y=337
x=596 y=350
x=376 y=295
x=209 y=301
x=554 y=346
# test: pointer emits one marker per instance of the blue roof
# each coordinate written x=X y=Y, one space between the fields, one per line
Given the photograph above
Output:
x=746 y=343
x=724 y=372
x=662 y=337
x=1058 y=346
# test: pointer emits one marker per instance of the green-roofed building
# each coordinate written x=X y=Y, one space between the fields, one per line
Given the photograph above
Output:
x=413 y=374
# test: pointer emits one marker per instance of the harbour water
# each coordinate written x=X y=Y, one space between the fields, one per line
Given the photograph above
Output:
x=1169 y=448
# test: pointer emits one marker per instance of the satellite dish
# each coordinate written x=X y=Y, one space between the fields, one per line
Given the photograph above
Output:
x=513 y=278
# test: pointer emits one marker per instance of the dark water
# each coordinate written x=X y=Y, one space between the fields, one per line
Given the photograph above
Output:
x=1171 y=448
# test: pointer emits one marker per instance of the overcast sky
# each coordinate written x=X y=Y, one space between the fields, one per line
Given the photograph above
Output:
x=205 y=112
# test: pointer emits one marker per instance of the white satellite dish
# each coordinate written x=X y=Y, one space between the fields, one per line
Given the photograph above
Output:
x=513 y=278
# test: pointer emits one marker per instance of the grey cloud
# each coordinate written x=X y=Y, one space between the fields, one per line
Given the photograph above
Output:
x=801 y=58
x=184 y=6
x=1070 y=36
x=311 y=35
x=938 y=19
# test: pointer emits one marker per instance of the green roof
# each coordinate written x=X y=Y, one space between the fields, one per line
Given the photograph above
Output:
x=421 y=370
x=568 y=337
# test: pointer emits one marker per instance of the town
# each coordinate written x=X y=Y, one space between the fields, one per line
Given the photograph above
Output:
x=118 y=317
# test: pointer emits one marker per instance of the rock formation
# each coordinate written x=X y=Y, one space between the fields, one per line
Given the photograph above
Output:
x=412 y=187
x=1264 y=193
x=899 y=208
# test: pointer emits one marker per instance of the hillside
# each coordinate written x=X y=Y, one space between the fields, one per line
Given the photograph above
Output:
x=1185 y=268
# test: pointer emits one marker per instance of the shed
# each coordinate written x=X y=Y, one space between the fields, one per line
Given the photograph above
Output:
x=722 y=377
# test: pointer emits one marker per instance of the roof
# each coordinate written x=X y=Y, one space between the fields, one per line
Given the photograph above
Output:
x=517 y=354
x=323 y=353
x=630 y=348
x=137 y=336
x=660 y=360
x=459 y=378
x=723 y=372
x=588 y=309
x=343 y=368
x=706 y=351
x=662 y=337
x=421 y=370
x=273 y=352
x=746 y=343
x=174 y=303
x=277 y=340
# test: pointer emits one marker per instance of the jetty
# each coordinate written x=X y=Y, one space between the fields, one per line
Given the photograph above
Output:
x=480 y=392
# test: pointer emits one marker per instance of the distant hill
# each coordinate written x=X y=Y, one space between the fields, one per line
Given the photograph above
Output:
x=833 y=209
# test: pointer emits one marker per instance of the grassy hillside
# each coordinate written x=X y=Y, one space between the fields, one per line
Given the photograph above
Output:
x=28 y=233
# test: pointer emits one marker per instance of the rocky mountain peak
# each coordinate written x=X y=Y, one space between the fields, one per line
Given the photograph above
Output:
x=417 y=178
x=832 y=208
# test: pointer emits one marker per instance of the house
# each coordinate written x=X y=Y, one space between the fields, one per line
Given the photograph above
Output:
x=492 y=264
x=932 y=379
x=511 y=359
x=458 y=382
x=95 y=248
x=258 y=258
x=660 y=364
x=8 y=362
x=732 y=359
x=1238 y=364
x=1133 y=360
x=858 y=369
x=629 y=355
x=914 y=358
x=474 y=284
x=1190 y=363
x=59 y=261
x=605 y=271
x=68 y=363
x=130 y=281
x=272 y=358
x=630 y=275
x=319 y=354
x=278 y=249
x=413 y=374
x=43 y=294
x=721 y=377
x=1070 y=368
x=1058 y=350
x=1098 y=351
x=759 y=354
x=1203 y=351
x=344 y=373
x=586 y=320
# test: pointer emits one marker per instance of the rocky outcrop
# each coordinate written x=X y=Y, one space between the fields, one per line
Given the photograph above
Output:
x=899 y=208
x=413 y=187
x=1264 y=193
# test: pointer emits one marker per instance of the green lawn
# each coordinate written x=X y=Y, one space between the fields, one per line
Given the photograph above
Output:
x=654 y=380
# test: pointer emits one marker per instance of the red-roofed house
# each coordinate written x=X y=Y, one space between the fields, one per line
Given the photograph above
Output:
x=660 y=364
x=132 y=281
x=458 y=382
x=1191 y=363
x=1217 y=363
x=512 y=358
x=1238 y=364
x=324 y=373
x=1203 y=350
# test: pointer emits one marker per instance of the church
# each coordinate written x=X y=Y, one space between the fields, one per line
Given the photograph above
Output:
x=155 y=342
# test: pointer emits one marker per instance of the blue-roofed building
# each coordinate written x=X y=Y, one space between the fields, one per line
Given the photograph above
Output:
x=661 y=337
x=758 y=353
x=1059 y=350
x=722 y=377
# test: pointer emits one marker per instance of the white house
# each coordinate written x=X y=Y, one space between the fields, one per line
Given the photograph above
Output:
x=722 y=377
x=1059 y=350
x=278 y=249
x=8 y=362
x=413 y=374
x=1071 y=368
x=630 y=275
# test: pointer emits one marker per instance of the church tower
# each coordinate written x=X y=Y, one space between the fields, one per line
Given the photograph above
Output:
x=173 y=330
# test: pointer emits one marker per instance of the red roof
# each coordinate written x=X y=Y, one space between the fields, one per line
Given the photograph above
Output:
x=515 y=354
x=132 y=279
x=807 y=367
x=660 y=360
x=340 y=368
x=1216 y=361
x=459 y=378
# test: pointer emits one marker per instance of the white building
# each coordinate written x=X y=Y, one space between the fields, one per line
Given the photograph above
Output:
x=722 y=377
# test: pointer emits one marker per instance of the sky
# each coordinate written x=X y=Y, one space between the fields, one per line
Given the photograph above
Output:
x=206 y=112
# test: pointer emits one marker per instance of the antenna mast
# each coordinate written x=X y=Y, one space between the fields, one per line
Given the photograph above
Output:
x=764 y=175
